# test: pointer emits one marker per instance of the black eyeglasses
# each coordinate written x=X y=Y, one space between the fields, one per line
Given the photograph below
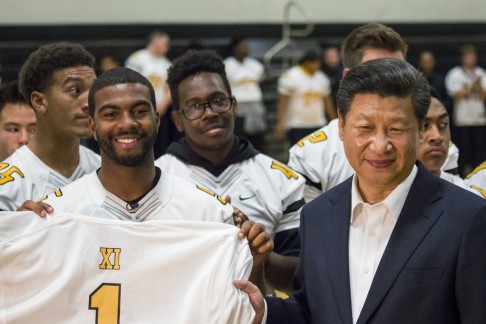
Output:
x=218 y=105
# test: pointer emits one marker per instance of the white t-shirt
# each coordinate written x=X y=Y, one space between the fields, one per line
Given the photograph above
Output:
x=244 y=78
x=267 y=191
x=320 y=157
x=154 y=68
x=172 y=198
x=23 y=176
x=306 y=92
x=74 y=269
x=467 y=111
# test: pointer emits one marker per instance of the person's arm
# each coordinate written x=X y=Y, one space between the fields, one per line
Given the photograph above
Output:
x=329 y=108
x=278 y=269
x=261 y=246
x=282 y=106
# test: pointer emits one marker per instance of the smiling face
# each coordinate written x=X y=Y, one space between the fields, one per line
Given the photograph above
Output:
x=381 y=139
x=436 y=139
x=210 y=136
x=125 y=124
x=66 y=101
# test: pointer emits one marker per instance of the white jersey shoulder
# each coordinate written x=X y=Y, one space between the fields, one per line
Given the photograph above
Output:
x=23 y=176
x=320 y=157
x=266 y=190
x=89 y=270
x=476 y=180
x=171 y=199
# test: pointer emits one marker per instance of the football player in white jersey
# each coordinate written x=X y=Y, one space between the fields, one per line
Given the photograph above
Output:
x=320 y=157
x=128 y=186
x=55 y=79
x=266 y=190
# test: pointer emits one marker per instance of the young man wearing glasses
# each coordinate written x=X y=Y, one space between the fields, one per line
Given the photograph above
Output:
x=266 y=190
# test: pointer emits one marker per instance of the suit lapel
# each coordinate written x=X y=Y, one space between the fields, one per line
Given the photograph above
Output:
x=336 y=241
x=414 y=222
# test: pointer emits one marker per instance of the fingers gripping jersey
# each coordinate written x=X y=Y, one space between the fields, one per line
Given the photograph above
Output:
x=171 y=199
x=321 y=159
x=76 y=269
x=267 y=191
x=23 y=176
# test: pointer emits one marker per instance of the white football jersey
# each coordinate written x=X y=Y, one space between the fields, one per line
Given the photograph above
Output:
x=69 y=268
x=476 y=180
x=321 y=159
x=244 y=78
x=172 y=198
x=267 y=191
x=306 y=106
x=23 y=176
x=154 y=68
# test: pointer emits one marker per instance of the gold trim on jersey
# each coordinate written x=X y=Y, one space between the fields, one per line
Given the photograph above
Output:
x=288 y=172
x=220 y=199
x=316 y=137
x=6 y=176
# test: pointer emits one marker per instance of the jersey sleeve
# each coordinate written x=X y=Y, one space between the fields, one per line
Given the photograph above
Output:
x=13 y=186
x=285 y=84
x=476 y=180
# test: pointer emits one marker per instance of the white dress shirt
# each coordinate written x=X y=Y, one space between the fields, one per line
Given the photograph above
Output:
x=370 y=229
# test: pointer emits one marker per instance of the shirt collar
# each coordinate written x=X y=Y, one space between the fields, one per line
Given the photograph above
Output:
x=394 y=201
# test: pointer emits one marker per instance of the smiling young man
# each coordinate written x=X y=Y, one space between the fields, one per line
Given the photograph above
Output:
x=266 y=190
x=17 y=120
x=55 y=79
x=393 y=243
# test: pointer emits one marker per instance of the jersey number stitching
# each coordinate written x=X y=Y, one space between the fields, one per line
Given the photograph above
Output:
x=6 y=176
x=313 y=138
x=106 y=301
x=288 y=172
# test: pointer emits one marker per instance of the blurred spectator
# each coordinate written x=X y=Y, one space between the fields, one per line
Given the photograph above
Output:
x=466 y=84
x=304 y=101
x=427 y=65
x=17 y=120
x=333 y=67
x=152 y=63
x=244 y=75
x=108 y=62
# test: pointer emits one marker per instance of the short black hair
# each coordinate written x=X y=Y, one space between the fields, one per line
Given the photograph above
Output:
x=385 y=77
x=36 y=72
x=310 y=56
x=120 y=75
x=191 y=63
x=10 y=94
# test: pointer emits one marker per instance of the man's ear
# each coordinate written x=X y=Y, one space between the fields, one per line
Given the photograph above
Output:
x=341 y=126
x=92 y=128
x=38 y=101
x=177 y=118
x=157 y=121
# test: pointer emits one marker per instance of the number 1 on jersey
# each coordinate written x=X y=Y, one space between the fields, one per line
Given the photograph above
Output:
x=106 y=301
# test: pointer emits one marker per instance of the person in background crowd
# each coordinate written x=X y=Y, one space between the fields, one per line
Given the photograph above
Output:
x=244 y=75
x=466 y=85
x=304 y=101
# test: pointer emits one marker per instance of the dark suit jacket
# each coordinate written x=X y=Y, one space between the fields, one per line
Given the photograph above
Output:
x=433 y=269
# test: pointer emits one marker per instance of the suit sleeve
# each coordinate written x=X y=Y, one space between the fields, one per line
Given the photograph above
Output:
x=471 y=271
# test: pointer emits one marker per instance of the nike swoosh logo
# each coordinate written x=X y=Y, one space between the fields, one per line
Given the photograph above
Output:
x=245 y=198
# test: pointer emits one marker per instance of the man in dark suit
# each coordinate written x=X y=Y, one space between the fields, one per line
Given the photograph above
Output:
x=393 y=243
